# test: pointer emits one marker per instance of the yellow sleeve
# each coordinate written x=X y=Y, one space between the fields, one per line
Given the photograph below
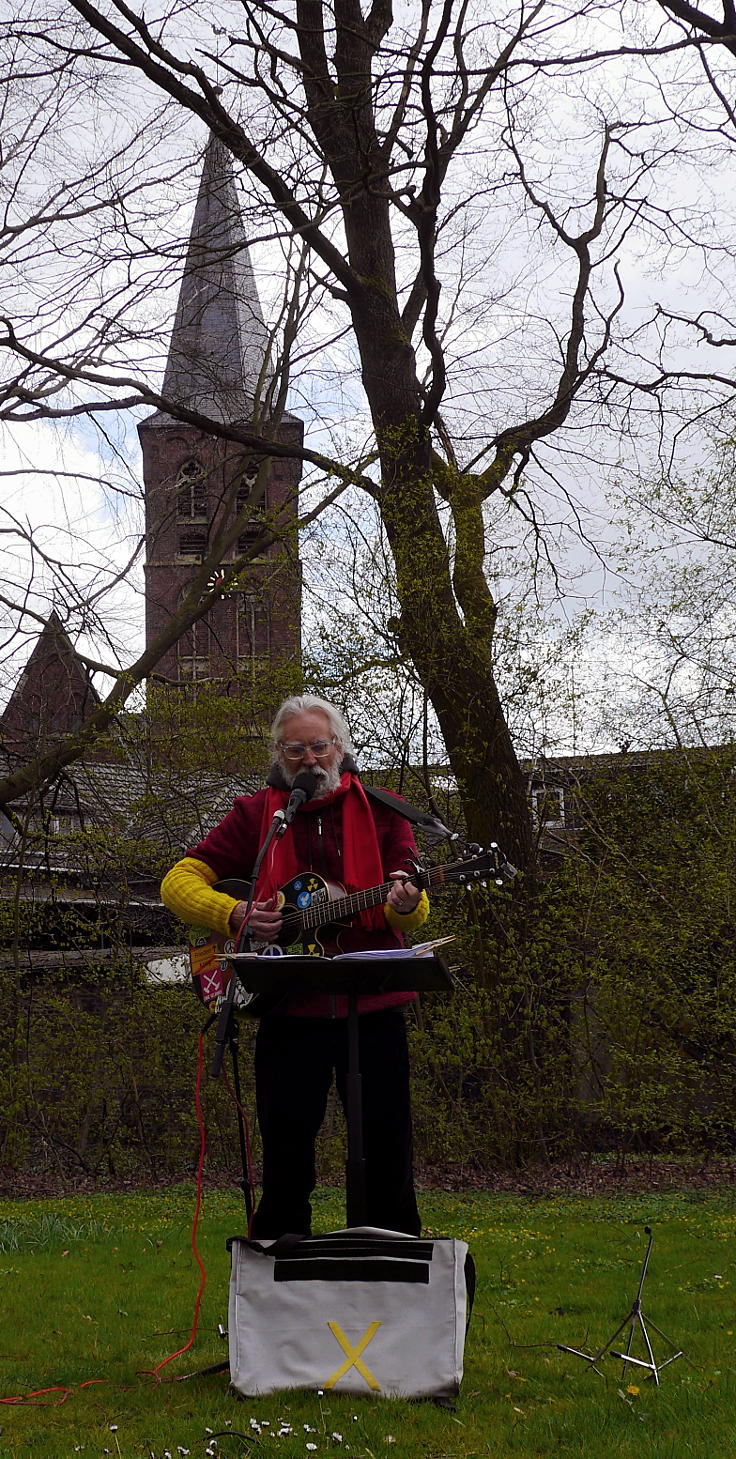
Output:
x=187 y=892
x=409 y=921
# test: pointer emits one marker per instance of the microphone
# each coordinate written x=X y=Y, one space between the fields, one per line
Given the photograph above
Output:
x=303 y=789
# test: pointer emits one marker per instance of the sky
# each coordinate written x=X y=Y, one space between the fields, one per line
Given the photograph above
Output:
x=501 y=337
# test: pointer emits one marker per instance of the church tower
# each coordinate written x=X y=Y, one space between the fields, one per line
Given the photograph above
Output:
x=218 y=364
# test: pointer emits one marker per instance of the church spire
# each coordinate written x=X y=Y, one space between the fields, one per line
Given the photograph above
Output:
x=219 y=340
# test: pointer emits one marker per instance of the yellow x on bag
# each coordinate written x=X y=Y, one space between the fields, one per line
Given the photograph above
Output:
x=353 y=1359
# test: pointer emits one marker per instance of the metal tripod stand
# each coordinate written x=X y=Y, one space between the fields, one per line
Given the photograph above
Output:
x=634 y=1320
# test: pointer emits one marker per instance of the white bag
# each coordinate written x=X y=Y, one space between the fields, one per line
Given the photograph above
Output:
x=361 y=1311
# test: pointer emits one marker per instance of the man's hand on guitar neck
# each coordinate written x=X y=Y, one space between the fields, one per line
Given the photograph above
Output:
x=264 y=921
x=403 y=896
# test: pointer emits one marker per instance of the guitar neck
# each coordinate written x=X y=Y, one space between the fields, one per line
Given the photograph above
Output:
x=353 y=902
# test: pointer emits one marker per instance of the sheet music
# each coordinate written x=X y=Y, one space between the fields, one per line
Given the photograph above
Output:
x=420 y=949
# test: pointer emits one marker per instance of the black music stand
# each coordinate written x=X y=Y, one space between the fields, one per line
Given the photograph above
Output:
x=350 y=976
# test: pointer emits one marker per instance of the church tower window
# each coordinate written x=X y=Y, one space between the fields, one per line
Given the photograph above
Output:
x=246 y=484
x=193 y=653
x=254 y=523
x=191 y=494
x=253 y=630
x=193 y=543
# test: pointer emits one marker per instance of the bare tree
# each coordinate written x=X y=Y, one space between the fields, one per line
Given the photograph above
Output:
x=471 y=194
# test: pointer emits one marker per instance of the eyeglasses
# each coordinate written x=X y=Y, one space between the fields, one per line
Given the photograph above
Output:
x=294 y=751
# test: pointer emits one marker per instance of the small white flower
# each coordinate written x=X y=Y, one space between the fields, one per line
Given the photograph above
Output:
x=309 y=1430
x=336 y=1438
x=311 y=1446
x=113 y=1428
x=390 y=1439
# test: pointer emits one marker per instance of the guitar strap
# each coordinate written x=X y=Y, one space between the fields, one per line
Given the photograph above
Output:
x=429 y=824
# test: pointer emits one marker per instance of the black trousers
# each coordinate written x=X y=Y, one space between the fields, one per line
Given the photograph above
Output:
x=295 y=1061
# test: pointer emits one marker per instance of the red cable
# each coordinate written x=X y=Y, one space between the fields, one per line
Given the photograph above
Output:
x=248 y=1155
x=154 y=1372
x=58 y=1388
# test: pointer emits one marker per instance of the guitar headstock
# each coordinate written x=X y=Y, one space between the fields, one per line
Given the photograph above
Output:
x=481 y=867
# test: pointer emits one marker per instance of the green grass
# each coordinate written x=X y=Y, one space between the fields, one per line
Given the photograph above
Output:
x=102 y=1287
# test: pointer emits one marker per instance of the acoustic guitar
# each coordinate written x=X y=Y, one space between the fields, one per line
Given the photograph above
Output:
x=315 y=913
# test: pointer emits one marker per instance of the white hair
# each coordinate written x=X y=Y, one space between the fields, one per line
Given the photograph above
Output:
x=309 y=704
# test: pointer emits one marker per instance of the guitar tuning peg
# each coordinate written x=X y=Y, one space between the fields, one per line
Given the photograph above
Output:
x=484 y=883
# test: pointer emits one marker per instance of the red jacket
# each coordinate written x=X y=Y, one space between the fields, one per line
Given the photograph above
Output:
x=231 y=849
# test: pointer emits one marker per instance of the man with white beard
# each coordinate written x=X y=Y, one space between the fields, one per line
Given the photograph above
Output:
x=346 y=839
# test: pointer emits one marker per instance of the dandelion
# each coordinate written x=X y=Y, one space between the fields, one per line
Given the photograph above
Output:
x=632 y=1388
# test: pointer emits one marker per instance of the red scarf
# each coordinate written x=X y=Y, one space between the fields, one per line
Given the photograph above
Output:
x=361 y=855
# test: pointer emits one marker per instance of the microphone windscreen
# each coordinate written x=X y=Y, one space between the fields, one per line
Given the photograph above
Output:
x=307 y=782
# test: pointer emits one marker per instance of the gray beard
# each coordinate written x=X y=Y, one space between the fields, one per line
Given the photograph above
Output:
x=327 y=780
